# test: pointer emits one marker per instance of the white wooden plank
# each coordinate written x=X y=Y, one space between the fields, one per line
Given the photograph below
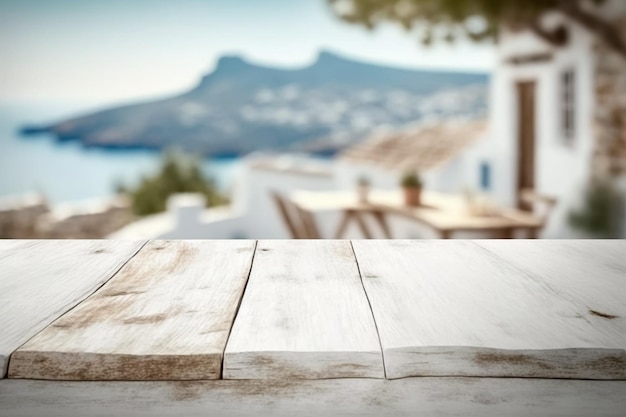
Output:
x=591 y=273
x=453 y=308
x=165 y=316
x=41 y=280
x=480 y=397
x=304 y=315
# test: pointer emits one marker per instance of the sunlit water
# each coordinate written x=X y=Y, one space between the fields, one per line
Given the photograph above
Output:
x=68 y=172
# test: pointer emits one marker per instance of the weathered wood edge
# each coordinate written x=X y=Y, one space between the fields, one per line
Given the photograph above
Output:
x=71 y=366
x=447 y=396
x=466 y=361
x=302 y=365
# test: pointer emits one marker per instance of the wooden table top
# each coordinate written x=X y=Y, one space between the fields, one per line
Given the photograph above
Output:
x=444 y=212
x=304 y=310
x=242 y=309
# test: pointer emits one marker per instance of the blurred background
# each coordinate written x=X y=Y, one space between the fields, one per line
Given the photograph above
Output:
x=312 y=119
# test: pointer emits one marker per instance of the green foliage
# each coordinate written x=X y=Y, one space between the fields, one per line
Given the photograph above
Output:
x=411 y=180
x=448 y=19
x=600 y=215
x=177 y=174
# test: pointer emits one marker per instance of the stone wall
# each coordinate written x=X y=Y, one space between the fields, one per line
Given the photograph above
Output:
x=609 y=158
x=92 y=224
x=32 y=218
x=19 y=216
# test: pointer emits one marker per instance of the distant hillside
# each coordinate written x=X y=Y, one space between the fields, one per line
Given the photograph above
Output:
x=242 y=107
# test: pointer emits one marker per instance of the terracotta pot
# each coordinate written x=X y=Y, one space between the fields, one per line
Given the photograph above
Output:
x=413 y=196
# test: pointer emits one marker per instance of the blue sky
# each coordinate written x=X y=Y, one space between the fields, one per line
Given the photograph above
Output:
x=118 y=50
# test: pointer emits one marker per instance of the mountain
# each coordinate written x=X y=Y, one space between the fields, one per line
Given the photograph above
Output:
x=242 y=107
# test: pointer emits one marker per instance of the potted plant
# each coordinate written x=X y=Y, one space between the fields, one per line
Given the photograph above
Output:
x=412 y=185
x=363 y=188
x=600 y=214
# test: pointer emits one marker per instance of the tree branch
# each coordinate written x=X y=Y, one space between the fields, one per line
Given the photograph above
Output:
x=556 y=37
x=601 y=28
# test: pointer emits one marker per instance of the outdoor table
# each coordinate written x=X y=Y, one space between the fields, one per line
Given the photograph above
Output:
x=444 y=213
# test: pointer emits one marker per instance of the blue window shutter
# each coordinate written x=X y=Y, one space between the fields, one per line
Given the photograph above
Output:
x=485 y=176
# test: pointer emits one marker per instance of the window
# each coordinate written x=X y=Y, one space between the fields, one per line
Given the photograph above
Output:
x=568 y=106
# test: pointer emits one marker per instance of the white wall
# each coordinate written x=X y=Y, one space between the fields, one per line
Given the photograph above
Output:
x=252 y=212
x=561 y=170
x=347 y=174
x=261 y=218
x=212 y=224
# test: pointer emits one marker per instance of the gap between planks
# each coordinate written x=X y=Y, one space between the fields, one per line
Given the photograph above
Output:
x=256 y=245
x=382 y=355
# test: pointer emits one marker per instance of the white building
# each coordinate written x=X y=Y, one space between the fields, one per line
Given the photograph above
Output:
x=557 y=120
x=548 y=118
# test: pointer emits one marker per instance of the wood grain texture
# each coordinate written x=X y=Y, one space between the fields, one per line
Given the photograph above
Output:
x=304 y=315
x=165 y=316
x=41 y=280
x=479 y=397
x=590 y=273
x=451 y=308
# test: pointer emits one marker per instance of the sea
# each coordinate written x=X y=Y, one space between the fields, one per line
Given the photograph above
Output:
x=67 y=172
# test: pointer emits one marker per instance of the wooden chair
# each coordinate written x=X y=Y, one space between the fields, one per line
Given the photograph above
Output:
x=299 y=222
x=358 y=215
x=541 y=205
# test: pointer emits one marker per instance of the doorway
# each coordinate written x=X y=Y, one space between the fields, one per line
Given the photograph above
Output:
x=526 y=92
